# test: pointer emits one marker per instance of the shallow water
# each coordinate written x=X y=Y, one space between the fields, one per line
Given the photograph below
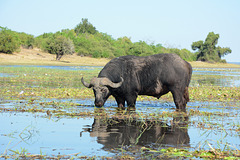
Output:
x=82 y=68
x=223 y=77
x=39 y=133
x=5 y=75
x=49 y=136
x=214 y=124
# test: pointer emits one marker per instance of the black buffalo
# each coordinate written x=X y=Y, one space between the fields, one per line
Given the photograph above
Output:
x=127 y=77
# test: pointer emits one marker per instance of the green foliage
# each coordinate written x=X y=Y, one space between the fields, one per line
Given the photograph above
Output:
x=9 y=41
x=207 y=51
x=27 y=40
x=59 y=45
x=183 y=53
x=85 y=40
x=141 y=48
x=85 y=27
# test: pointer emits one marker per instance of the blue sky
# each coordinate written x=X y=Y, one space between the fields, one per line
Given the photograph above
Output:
x=173 y=23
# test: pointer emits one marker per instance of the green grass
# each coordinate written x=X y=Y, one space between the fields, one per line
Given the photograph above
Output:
x=34 y=85
x=51 y=83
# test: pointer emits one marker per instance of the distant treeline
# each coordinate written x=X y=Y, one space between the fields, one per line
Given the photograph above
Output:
x=85 y=40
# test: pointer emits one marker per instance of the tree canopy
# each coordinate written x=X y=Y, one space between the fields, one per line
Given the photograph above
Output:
x=85 y=40
x=9 y=41
x=85 y=27
x=208 y=51
x=59 y=45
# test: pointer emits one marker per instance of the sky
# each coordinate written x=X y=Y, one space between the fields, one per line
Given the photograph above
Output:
x=172 y=23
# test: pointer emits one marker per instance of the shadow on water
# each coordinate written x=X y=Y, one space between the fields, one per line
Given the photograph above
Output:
x=117 y=132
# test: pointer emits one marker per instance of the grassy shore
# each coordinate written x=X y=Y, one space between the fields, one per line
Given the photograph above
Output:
x=37 y=57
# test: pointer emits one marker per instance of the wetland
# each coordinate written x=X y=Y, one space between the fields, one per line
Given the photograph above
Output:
x=46 y=113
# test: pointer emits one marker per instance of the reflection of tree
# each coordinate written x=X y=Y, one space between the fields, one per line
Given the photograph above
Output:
x=116 y=132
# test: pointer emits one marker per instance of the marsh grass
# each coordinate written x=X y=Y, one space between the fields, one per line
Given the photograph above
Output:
x=53 y=83
x=52 y=94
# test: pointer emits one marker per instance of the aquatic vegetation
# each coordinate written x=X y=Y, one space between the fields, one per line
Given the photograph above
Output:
x=56 y=97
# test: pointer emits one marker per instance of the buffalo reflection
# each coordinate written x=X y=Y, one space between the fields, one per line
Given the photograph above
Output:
x=115 y=132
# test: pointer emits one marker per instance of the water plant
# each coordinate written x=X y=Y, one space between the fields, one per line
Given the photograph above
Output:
x=56 y=95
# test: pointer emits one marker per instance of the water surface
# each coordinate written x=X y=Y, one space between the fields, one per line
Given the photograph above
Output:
x=88 y=136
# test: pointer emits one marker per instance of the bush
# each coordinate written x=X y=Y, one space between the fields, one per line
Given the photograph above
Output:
x=27 y=40
x=89 y=42
x=59 y=45
x=9 y=41
x=83 y=52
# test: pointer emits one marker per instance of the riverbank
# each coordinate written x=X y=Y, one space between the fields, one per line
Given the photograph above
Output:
x=37 y=57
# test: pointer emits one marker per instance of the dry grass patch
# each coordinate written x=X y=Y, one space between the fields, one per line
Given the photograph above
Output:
x=199 y=64
x=37 y=57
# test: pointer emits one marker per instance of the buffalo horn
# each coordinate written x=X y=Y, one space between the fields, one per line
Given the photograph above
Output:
x=87 y=84
x=108 y=82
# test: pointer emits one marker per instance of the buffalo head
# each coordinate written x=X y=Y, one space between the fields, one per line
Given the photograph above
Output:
x=101 y=88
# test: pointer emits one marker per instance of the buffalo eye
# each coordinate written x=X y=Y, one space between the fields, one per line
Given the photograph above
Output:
x=103 y=90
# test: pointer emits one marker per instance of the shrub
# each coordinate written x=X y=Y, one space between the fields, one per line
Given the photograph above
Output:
x=9 y=41
x=59 y=45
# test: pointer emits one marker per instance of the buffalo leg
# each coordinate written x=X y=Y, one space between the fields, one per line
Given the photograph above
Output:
x=121 y=103
x=131 y=102
x=179 y=100
x=186 y=94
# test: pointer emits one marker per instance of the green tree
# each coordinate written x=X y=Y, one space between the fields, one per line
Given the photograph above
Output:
x=208 y=51
x=141 y=48
x=85 y=27
x=9 y=41
x=123 y=46
x=89 y=42
x=41 y=41
x=27 y=40
x=60 y=46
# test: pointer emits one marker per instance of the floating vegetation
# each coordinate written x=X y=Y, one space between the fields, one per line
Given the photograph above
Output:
x=48 y=114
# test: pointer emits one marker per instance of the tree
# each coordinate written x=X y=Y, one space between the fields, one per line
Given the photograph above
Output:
x=9 y=41
x=123 y=46
x=27 y=40
x=207 y=50
x=141 y=48
x=60 y=46
x=85 y=27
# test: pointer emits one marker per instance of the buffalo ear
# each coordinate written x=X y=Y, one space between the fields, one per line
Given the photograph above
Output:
x=85 y=83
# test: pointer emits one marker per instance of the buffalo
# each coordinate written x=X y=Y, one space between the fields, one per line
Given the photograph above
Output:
x=126 y=77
